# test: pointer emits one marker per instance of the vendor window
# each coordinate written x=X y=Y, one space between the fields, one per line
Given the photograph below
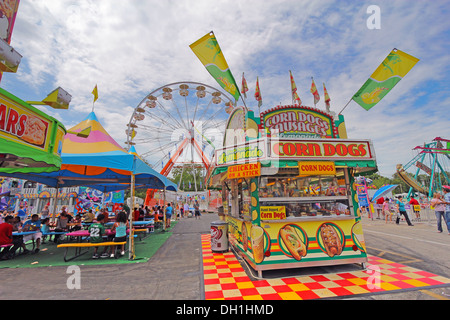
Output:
x=292 y=185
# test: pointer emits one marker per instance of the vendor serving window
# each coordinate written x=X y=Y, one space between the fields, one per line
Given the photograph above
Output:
x=315 y=195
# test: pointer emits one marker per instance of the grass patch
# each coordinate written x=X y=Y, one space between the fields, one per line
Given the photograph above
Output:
x=49 y=255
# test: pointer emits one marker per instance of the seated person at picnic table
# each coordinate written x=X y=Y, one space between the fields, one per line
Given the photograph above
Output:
x=45 y=226
x=6 y=237
x=89 y=216
x=76 y=223
x=136 y=214
x=61 y=224
x=17 y=227
x=96 y=232
x=34 y=224
x=120 y=227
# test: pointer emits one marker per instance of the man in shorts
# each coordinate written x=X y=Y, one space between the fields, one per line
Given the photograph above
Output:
x=34 y=224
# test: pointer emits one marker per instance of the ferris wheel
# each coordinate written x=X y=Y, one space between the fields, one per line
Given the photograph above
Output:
x=179 y=124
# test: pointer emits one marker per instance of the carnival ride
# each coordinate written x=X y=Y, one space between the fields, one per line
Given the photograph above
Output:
x=432 y=158
x=179 y=125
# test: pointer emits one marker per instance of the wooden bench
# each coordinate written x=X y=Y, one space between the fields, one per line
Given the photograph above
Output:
x=53 y=233
x=79 y=246
x=4 y=246
x=140 y=232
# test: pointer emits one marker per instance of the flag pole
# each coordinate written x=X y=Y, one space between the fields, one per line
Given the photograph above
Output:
x=345 y=106
x=292 y=94
x=315 y=104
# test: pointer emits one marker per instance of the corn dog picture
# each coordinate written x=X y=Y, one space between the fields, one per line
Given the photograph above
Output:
x=293 y=241
x=358 y=237
x=331 y=241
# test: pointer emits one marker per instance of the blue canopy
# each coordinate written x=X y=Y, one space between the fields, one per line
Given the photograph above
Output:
x=384 y=190
x=98 y=162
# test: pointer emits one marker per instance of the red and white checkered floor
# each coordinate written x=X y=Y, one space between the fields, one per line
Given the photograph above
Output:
x=225 y=279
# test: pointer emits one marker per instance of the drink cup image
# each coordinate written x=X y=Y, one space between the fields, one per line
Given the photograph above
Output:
x=257 y=235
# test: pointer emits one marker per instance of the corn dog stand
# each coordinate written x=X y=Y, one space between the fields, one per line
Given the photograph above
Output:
x=288 y=188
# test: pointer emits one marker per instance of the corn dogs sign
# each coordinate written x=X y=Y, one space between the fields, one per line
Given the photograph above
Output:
x=273 y=213
x=316 y=168
x=323 y=149
x=298 y=123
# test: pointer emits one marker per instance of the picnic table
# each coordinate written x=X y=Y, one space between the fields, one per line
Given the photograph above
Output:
x=24 y=233
x=79 y=245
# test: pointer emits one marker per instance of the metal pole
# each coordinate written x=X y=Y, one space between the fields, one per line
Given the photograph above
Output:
x=55 y=202
x=131 y=254
x=345 y=106
x=164 y=207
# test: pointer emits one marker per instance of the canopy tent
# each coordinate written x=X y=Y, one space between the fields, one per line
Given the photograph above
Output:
x=384 y=190
x=30 y=140
x=98 y=162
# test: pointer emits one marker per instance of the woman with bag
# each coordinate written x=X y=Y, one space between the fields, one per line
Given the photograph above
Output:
x=439 y=210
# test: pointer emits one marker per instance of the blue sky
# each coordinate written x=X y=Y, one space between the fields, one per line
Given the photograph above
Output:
x=130 y=48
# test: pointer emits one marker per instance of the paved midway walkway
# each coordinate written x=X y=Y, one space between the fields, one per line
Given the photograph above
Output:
x=185 y=269
x=173 y=273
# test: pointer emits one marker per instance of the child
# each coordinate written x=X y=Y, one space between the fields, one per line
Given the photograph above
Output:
x=96 y=232
x=120 y=227
x=386 y=212
x=45 y=225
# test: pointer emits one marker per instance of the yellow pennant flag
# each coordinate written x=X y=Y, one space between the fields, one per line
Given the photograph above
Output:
x=95 y=93
x=396 y=65
x=208 y=51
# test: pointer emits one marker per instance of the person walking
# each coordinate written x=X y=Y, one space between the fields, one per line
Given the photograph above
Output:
x=446 y=190
x=439 y=210
x=186 y=209
x=416 y=207
x=401 y=211
x=386 y=212
x=197 y=210
x=169 y=211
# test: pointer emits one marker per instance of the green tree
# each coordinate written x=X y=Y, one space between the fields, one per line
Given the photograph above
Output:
x=188 y=176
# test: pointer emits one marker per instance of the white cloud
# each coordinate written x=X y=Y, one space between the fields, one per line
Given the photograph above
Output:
x=130 y=48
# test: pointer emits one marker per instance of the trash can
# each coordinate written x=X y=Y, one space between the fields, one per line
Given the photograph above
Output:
x=219 y=236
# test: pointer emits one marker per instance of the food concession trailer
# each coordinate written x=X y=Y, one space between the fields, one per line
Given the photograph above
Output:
x=288 y=188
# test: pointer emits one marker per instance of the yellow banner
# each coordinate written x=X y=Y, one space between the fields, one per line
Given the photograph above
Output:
x=316 y=168
x=273 y=213
x=244 y=171
x=398 y=63
x=210 y=54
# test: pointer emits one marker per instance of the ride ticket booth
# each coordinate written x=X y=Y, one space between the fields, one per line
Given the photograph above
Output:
x=288 y=188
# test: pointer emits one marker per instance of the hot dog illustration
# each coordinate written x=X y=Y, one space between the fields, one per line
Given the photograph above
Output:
x=293 y=242
x=331 y=240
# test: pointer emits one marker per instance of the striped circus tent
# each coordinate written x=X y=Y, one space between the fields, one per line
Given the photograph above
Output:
x=99 y=162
